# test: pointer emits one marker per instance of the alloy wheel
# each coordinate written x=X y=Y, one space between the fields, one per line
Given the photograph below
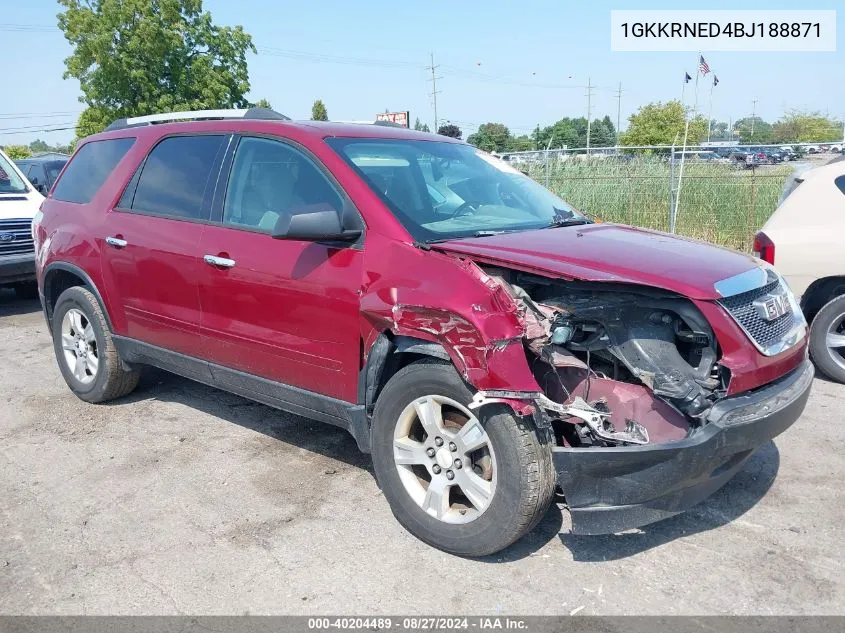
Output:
x=445 y=459
x=835 y=340
x=79 y=345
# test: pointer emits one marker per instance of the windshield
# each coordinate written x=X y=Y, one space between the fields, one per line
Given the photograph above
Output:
x=10 y=182
x=446 y=190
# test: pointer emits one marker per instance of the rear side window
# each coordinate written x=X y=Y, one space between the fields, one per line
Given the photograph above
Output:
x=174 y=178
x=89 y=169
x=840 y=182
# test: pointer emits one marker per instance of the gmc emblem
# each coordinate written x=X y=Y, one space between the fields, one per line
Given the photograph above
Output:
x=772 y=307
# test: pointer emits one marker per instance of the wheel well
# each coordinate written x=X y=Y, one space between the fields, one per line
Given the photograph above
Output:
x=55 y=283
x=388 y=355
x=819 y=293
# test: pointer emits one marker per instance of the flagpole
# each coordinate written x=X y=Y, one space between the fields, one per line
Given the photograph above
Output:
x=674 y=219
x=710 y=111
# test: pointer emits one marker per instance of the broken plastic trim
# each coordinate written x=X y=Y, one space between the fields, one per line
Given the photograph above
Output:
x=596 y=420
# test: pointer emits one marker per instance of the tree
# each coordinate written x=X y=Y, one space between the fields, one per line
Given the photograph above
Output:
x=262 y=103
x=39 y=146
x=421 y=127
x=762 y=131
x=662 y=124
x=318 y=111
x=491 y=137
x=17 y=152
x=602 y=133
x=135 y=57
x=522 y=143
x=806 y=127
x=451 y=130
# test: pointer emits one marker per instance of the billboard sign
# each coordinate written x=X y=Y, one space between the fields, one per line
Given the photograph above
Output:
x=399 y=118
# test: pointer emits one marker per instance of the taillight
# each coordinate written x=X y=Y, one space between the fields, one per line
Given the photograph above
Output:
x=764 y=248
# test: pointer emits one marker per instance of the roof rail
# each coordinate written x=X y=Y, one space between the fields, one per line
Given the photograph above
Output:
x=197 y=115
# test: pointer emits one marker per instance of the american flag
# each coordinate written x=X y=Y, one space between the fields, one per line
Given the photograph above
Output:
x=702 y=65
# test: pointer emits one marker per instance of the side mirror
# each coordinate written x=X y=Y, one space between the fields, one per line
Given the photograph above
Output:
x=314 y=224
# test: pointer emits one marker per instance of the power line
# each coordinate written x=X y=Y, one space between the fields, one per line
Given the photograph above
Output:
x=53 y=129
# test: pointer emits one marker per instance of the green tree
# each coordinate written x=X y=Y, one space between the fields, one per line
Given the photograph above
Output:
x=602 y=133
x=753 y=130
x=451 y=130
x=135 y=57
x=662 y=124
x=262 y=103
x=16 y=152
x=491 y=137
x=318 y=111
x=421 y=127
x=522 y=143
x=39 y=146
x=806 y=127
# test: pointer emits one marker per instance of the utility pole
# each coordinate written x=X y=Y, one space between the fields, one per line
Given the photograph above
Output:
x=434 y=91
x=589 y=111
x=753 y=114
x=618 y=111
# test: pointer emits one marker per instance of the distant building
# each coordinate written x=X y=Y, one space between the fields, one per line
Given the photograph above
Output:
x=49 y=156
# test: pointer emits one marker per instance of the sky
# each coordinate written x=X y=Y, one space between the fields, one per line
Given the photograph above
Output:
x=517 y=63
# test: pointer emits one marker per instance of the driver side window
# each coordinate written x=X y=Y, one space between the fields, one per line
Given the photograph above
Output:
x=270 y=179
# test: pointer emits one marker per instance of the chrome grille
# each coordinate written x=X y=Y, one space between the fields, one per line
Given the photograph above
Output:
x=16 y=237
x=767 y=335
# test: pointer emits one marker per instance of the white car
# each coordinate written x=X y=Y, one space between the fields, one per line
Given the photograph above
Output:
x=804 y=240
x=19 y=202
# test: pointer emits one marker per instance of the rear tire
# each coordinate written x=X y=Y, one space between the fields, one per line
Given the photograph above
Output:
x=85 y=351
x=515 y=455
x=826 y=332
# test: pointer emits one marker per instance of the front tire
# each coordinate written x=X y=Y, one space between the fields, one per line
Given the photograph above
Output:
x=467 y=482
x=827 y=339
x=85 y=351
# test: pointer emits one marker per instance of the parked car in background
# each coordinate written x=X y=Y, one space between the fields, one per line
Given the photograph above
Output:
x=42 y=172
x=699 y=156
x=19 y=204
x=804 y=240
x=480 y=337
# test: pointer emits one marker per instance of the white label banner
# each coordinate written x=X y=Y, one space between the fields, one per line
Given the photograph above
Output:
x=715 y=30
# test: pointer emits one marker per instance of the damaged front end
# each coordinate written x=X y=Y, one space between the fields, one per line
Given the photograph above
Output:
x=635 y=397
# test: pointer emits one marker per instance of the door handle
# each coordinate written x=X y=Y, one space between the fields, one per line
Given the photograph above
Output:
x=116 y=242
x=220 y=262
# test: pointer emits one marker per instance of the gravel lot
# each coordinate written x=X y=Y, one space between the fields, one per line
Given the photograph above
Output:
x=184 y=499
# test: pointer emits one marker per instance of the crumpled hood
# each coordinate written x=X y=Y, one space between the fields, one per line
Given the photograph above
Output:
x=611 y=253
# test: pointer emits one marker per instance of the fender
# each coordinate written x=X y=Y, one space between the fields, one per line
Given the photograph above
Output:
x=87 y=282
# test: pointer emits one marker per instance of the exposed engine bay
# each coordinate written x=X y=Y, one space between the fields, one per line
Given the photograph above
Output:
x=618 y=364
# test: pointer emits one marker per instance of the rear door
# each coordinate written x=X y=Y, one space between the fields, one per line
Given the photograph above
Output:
x=152 y=239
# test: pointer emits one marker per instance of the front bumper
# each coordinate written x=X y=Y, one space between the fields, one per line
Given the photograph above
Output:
x=17 y=268
x=613 y=489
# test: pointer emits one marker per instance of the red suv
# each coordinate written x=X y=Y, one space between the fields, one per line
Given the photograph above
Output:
x=480 y=337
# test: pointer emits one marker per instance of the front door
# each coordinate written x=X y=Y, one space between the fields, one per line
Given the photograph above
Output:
x=152 y=242
x=283 y=310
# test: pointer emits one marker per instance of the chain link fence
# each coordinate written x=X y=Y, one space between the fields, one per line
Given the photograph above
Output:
x=720 y=202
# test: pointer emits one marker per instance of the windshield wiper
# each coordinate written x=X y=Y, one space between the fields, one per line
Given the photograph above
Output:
x=559 y=222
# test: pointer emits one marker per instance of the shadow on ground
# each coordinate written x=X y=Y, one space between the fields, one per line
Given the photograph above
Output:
x=11 y=305
x=738 y=496
x=311 y=435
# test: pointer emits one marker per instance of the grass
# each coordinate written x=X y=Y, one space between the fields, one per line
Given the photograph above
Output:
x=718 y=203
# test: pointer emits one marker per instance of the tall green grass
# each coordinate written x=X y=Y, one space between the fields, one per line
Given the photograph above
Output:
x=718 y=203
